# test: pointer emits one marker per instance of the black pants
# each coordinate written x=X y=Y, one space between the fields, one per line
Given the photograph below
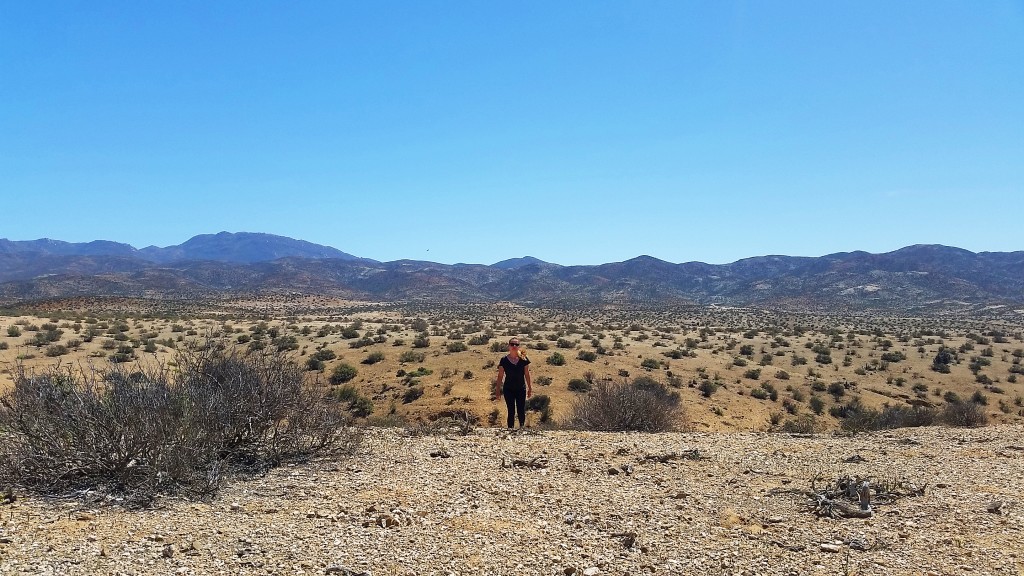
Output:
x=515 y=400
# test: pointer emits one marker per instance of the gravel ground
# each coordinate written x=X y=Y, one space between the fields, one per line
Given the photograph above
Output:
x=557 y=503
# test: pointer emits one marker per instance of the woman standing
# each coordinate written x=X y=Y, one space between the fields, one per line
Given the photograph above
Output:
x=514 y=382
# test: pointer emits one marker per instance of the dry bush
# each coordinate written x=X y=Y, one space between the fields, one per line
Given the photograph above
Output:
x=865 y=419
x=643 y=405
x=137 y=434
x=964 y=414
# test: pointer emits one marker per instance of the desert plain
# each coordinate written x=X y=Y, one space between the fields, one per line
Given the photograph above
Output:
x=437 y=486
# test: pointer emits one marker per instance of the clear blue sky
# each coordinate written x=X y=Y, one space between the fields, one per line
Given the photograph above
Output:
x=576 y=132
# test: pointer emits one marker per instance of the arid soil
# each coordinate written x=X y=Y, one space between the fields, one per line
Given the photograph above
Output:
x=561 y=502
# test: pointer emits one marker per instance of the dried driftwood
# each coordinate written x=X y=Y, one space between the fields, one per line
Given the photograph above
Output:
x=854 y=497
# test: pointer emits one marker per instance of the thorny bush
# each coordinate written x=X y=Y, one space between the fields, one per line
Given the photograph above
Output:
x=149 y=430
x=643 y=405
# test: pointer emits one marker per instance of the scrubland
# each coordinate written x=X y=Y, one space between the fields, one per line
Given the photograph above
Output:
x=733 y=369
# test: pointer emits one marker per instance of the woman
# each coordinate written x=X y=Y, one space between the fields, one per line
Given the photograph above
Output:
x=514 y=382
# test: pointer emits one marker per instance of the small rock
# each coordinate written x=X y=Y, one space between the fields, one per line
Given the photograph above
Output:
x=997 y=507
x=592 y=571
x=235 y=506
x=611 y=472
x=830 y=548
x=569 y=571
x=168 y=551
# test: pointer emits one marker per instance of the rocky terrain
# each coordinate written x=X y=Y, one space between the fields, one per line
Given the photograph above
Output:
x=559 y=502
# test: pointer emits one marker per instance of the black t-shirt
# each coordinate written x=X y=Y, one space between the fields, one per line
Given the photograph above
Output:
x=515 y=374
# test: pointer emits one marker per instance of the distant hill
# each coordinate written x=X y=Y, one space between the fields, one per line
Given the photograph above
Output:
x=241 y=247
x=513 y=263
x=922 y=278
x=244 y=247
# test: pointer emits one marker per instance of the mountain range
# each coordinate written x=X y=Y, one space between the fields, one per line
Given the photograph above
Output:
x=919 y=277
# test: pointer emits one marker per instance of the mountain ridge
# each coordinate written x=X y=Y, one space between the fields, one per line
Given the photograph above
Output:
x=917 y=277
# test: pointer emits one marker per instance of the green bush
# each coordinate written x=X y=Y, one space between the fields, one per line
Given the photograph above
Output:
x=343 y=373
x=817 y=405
x=579 y=385
x=707 y=388
x=457 y=347
x=373 y=358
x=412 y=394
x=410 y=356
x=556 y=359
x=587 y=355
x=55 y=350
x=358 y=405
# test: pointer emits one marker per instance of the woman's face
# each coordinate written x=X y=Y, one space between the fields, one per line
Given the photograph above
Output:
x=513 y=345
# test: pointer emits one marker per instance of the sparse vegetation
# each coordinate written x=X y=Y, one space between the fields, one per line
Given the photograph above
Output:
x=145 y=431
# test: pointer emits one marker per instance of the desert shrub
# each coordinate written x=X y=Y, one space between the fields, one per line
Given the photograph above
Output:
x=538 y=402
x=457 y=347
x=343 y=373
x=4 y=346
x=151 y=431
x=55 y=350
x=859 y=418
x=324 y=354
x=543 y=380
x=707 y=388
x=805 y=424
x=752 y=374
x=13 y=331
x=759 y=393
x=817 y=405
x=625 y=406
x=357 y=404
x=650 y=364
x=943 y=358
x=412 y=394
x=361 y=407
x=964 y=414
x=556 y=359
x=125 y=353
x=587 y=355
x=837 y=389
x=579 y=385
x=373 y=358
x=479 y=339
x=363 y=342
x=563 y=343
x=410 y=356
